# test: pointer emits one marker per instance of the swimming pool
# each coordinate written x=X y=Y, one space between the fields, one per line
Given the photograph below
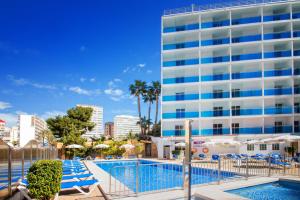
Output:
x=279 y=190
x=157 y=176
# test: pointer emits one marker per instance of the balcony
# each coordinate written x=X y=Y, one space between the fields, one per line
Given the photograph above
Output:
x=180 y=115
x=277 y=54
x=283 y=72
x=215 y=42
x=278 y=91
x=242 y=112
x=252 y=130
x=175 y=63
x=215 y=59
x=185 y=97
x=297 y=71
x=251 y=56
x=279 y=110
x=296 y=34
x=246 y=20
x=205 y=25
x=208 y=132
x=296 y=15
x=167 y=133
x=218 y=77
x=285 y=16
x=296 y=90
x=296 y=109
x=215 y=113
x=177 y=80
x=248 y=38
x=242 y=75
x=181 y=28
x=273 y=36
x=246 y=93
x=279 y=129
x=297 y=53
x=181 y=45
x=215 y=95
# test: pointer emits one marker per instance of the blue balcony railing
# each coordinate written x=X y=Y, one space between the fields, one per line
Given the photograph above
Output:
x=297 y=71
x=278 y=129
x=279 y=110
x=283 y=72
x=190 y=79
x=223 y=131
x=215 y=59
x=278 y=91
x=184 y=97
x=272 y=36
x=246 y=20
x=297 y=53
x=249 y=111
x=248 y=38
x=252 y=130
x=181 y=28
x=251 y=56
x=215 y=95
x=243 y=75
x=277 y=17
x=296 y=34
x=174 y=63
x=278 y=54
x=180 y=115
x=218 y=77
x=215 y=113
x=296 y=15
x=215 y=42
x=181 y=45
x=167 y=133
x=215 y=24
x=247 y=93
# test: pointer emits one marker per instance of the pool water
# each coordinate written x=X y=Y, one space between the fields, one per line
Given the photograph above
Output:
x=152 y=176
x=280 y=190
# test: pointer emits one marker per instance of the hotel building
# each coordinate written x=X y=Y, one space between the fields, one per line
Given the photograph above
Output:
x=109 y=129
x=124 y=124
x=234 y=70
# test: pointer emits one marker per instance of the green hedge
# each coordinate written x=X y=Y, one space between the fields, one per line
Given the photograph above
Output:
x=44 y=178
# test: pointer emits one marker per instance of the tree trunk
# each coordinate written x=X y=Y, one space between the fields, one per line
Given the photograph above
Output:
x=149 y=113
x=156 y=109
x=139 y=110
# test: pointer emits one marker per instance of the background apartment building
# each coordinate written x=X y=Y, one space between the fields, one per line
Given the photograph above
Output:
x=109 y=129
x=123 y=124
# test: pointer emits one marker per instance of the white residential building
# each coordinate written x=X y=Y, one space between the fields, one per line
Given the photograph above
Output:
x=29 y=128
x=97 y=118
x=123 y=124
x=14 y=135
x=2 y=125
x=235 y=71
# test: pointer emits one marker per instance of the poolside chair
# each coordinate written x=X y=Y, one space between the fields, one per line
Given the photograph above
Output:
x=215 y=157
x=202 y=156
x=108 y=157
x=79 y=185
x=77 y=176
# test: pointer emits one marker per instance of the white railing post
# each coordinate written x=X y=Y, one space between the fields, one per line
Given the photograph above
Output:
x=219 y=170
x=137 y=178
x=187 y=161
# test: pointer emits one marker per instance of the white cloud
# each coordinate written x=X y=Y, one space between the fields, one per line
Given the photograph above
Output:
x=23 y=82
x=114 y=92
x=92 y=80
x=126 y=69
x=142 y=65
x=82 y=91
x=138 y=68
x=82 y=79
x=149 y=71
x=4 y=105
x=52 y=113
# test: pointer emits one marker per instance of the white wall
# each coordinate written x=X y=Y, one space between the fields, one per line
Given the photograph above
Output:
x=27 y=132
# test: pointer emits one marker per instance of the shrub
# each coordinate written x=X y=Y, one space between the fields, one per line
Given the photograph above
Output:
x=44 y=178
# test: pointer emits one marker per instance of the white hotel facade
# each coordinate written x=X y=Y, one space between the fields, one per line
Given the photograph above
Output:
x=235 y=71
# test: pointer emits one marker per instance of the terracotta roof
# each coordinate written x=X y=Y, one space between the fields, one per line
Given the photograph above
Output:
x=2 y=121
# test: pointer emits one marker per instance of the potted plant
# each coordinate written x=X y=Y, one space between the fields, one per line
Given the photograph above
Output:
x=139 y=150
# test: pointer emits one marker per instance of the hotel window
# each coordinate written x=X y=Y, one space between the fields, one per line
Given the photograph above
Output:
x=235 y=128
x=178 y=130
x=179 y=96
x=278 y=127
x=217 y=129
x=218 y=111
x=235 y=92
x=263 y=147
x=250 y=147
x=296 y=126
x=180 y=113
x=275 y=147
x=217 y=94
x=236 y=110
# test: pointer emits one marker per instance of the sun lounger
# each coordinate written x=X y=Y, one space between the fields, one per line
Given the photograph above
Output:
x=78 y=185
x=77 y=176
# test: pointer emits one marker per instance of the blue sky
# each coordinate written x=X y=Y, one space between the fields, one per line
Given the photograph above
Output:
x=56 y=54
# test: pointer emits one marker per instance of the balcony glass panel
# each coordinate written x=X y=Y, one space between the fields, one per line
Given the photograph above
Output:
x=214 y=24
x=279 y=129
x=249 y=93
x=278 y=91
x=181 y=45
x=252 y=130
x=297 y=109
x=277 y=17
x=278 y=54
x=251 y=56
x=246 y=20
x=178 y=132
x=181 y=28
x=185 y=97
x=215 y=42
x=215 y=77
x=296 y=15
x=241 y=112
x=271 y=36
x=297 y=71
x=284 y=72
x=215 y=95
x=216 y=113
x=215 y=59
x=296 y=90
x=280 y=110
x=243 y=75
x=180 y=115
x=223 y=131
x=248 y=38
x=297 y=53
x=190 y=79
x=296 y=34
x=194 y=61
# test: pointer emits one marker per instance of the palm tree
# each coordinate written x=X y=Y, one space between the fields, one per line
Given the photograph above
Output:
x=144 y=124
x=156 y=90
x=46 y=135
x=137 y=89
x=149 y=97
